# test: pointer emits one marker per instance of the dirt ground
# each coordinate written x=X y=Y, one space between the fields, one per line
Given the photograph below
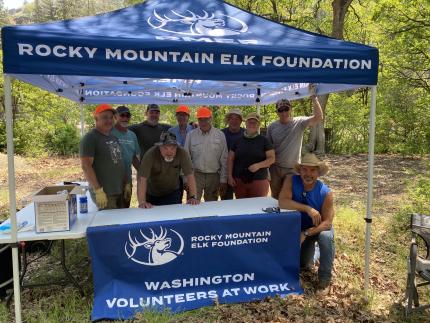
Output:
x=347 y=177
x=348 y=180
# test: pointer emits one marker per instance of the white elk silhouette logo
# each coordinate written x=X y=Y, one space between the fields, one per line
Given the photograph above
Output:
x=158 y=246
x=207 y=24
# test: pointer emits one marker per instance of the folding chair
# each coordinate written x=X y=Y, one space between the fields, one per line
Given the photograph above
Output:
x=418 y=267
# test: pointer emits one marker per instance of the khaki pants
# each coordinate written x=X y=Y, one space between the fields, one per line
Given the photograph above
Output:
x=277 y=176
x=207 y=183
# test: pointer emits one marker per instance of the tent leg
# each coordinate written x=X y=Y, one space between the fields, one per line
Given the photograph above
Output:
x=370 y=187
x=12 y=196
x=81 y=106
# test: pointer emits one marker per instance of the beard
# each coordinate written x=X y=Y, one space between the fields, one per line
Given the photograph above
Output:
x=152 y=122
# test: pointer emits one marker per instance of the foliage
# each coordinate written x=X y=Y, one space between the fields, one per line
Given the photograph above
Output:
x=64 y=140
x=399 y=28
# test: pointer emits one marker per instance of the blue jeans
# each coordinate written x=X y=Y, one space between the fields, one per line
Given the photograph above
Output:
x=325 y=241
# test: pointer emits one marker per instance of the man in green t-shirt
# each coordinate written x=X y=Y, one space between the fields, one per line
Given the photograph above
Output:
x=101 y=161
x=158 y=176
x=130 y=149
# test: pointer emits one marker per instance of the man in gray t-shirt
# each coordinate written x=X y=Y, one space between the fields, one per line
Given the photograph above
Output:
x=101 y=161
x=286 y=136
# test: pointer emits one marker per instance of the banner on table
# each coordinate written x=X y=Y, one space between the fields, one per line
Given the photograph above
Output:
x=186 y=264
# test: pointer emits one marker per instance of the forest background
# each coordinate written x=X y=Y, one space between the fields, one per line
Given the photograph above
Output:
x=45 y=124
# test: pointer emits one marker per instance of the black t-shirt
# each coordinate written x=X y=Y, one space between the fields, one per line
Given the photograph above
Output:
x=232 y=137
x=148 y=134
x=248 y=151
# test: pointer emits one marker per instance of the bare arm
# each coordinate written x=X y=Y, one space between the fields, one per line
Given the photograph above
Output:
x=136 y=162
x=327 y=215
x=191 y=181
x=317 y=115
x=270 y=159
x=141 y=192
x=90 y=175
x=230 y=164
x=285 y=201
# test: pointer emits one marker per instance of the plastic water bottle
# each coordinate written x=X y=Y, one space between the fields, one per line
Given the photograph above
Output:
x=83 y=204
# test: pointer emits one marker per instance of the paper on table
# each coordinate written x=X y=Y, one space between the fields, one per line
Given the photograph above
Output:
x=22 y=226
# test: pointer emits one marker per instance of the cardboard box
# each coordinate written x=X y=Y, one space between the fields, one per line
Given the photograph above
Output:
x=55 y=212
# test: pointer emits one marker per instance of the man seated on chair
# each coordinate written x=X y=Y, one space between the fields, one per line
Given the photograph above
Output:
x=307 y=194
x=158 y=176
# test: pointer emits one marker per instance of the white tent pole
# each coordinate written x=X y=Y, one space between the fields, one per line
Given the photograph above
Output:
x=81 y=106
x=370 y=187
x=12 y=196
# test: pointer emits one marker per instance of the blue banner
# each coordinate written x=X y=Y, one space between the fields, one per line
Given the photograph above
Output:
x=183 y=39
x=186 y=264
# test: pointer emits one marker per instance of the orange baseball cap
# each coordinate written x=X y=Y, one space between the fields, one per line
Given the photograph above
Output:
x=103 y=107
x=184 y=109
x=204 y=112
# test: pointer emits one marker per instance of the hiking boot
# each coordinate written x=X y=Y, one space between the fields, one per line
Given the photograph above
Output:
x=323 y=283
x=323 y=287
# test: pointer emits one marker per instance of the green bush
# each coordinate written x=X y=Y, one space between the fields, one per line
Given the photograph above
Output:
x=64 y=140
x=3 y=146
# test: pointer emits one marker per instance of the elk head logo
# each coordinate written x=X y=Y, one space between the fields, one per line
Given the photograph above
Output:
x=204 y=25
x=157 y=245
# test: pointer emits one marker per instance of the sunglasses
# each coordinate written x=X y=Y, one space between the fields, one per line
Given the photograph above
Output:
x=283 y=109
x=125 y=115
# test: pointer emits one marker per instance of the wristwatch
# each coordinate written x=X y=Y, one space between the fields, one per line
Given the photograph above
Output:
x=306 y=233
x=192 y=197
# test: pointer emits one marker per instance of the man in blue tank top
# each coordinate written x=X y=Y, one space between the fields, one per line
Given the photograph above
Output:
x=307 y=194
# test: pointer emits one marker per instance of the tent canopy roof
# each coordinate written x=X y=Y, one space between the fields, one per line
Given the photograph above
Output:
x=185 y=51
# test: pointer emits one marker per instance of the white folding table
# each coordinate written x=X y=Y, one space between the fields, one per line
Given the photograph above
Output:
x=132 y=215
x=183 y=211
x=77 y=231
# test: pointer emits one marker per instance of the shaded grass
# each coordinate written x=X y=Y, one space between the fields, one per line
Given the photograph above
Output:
x=4 y=313
x=346 y=302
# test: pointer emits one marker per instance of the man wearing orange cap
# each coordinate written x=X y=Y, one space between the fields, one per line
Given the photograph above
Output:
x=181 y=130
x=208 y=150
x=101 y=161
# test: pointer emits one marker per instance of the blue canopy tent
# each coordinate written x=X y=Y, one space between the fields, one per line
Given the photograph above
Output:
x=181 y=51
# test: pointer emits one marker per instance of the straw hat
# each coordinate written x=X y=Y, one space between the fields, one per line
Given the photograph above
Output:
x=310 y=159
x=235 y=111
x=253 y=115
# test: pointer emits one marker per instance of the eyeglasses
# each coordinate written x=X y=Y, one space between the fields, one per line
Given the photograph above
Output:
x=125 y=115
x=280 y=110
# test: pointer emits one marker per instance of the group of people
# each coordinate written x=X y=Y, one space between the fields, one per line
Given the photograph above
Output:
x=203 y=161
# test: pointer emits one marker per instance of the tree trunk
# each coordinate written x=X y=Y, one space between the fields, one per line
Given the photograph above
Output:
x=316 y=142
